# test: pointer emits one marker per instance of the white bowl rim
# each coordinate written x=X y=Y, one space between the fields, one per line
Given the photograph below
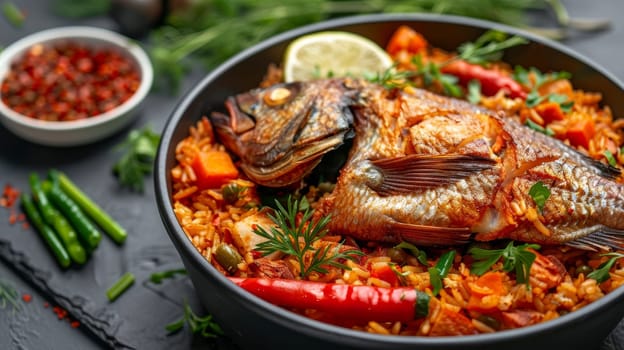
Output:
x=78 y=32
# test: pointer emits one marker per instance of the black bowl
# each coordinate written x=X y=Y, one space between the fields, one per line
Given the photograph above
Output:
x=252 y=322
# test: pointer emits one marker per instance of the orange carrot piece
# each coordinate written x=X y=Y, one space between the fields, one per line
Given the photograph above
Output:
x=580 y=133
x=485 y=292
x=213 y=169
x=550 y=111
x=406 y=39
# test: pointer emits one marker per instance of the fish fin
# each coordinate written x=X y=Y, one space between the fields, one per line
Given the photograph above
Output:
x=416 y=172
x=431 y=235
x=602 y=239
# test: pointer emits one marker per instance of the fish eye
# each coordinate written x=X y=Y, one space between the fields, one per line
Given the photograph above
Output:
x=277 y=96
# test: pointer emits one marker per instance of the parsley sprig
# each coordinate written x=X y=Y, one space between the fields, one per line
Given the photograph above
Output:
x=539 y=193
x=517 y=258
x=441 y=269
x=139 y=149
x=204 y=326
x=533 y=78
x=602 y=274
x=297 y=237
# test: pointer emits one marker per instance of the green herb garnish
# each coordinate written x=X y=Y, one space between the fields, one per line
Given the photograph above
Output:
x=212 y=31
x=139 y=149
x=158 y=277
x=488 y=47
x=610 y=158
x=441 y=270
x=420 y=255
x=8 y=295
x=297 y=237
x=204 y=326
x=540 y=193
x=536 y=127
x=534 y=98
x=602 y=274
x=517 y=258
x=474 y=92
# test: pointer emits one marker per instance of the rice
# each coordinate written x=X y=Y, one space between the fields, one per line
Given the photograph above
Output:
x=209 y=221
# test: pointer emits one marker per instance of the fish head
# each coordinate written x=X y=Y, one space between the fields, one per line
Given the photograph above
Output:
x=280 y=133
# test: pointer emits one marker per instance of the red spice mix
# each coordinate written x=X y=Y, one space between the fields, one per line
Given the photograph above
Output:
x=68 y=81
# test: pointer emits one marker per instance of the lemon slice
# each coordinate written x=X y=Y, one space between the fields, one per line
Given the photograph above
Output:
x=333 y=54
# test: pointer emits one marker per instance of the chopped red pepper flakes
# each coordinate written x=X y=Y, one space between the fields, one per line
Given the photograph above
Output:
x=9 y=196
x=46 y=305
x=68 y=81
x=27 y=298
x=8 y=199
x=75 y=324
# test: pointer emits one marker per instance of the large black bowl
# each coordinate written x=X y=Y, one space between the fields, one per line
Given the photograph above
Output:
x=254 y=323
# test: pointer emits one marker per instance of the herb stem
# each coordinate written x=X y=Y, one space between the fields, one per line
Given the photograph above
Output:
x=119 y=287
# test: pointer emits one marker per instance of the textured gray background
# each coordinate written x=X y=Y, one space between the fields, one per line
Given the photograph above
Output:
x=148 y=248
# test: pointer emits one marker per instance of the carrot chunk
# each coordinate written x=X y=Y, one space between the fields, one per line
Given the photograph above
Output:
x=550 y=111
x=406 y=39
x=485 y=292
x=213 y=169
x=580 y=133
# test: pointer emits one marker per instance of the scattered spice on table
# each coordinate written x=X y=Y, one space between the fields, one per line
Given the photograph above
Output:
x=68 y=81
x=26 y=297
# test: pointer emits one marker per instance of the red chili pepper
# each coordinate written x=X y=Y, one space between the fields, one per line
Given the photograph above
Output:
x=355 y=302
x=491 y=81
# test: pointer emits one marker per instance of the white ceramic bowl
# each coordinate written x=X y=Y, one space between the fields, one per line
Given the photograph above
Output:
x=94 y=128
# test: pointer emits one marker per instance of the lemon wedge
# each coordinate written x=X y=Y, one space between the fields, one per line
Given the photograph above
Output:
x=333 y=54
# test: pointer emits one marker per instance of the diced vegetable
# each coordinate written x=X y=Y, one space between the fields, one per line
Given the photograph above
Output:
x=406 y=39
x=119 y=287
x=213 y=169
x=46 y=232
x=486 y=292
x=581 y=132
x=110 y=226
x=550 y=111
x=55 y=219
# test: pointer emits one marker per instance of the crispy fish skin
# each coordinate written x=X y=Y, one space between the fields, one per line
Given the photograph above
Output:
x=427 y=169
x=436 y=171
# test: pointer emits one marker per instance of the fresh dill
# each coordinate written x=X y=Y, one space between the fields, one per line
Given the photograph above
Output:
x=296 y=236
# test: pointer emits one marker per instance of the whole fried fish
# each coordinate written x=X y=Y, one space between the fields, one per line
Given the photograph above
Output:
x=424 y=168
